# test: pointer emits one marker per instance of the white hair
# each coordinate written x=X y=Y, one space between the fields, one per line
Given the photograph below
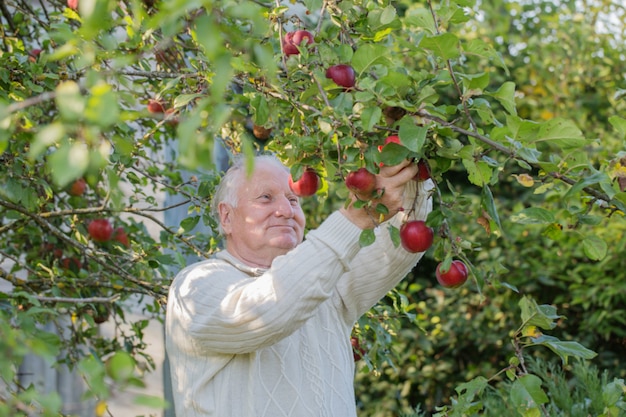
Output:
x=228 y=189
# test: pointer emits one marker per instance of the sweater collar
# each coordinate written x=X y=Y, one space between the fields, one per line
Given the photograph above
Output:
x=249 y=270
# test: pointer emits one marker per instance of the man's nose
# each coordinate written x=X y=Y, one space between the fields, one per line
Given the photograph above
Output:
x=284 y=208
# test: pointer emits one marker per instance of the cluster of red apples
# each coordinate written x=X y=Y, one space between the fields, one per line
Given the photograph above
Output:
x=100 y=230
x=415 y=235
x=342 y=74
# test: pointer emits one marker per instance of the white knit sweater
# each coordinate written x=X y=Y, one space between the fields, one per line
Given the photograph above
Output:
x=251 y=342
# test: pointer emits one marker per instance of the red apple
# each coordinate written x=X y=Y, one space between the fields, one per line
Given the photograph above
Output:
x=156 y=106
x=357 y=350
x=72 y=4
x=292 y=40
x=416 y=236
x=49 y=248
x=171 y=118
x=119 y=235
x=389 y=139
x=261 y=132
x=361 y=182
x=78 y=187
x=100 y=230
x=453 y=277
x=73 y=264
x=33 y=54
x=307 y=185
x=342 y=74
x=423 y=172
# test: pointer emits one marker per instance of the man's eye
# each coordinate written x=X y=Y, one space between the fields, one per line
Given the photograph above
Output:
x=294 y=201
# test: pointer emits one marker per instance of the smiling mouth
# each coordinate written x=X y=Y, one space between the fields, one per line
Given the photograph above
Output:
x=282 y=226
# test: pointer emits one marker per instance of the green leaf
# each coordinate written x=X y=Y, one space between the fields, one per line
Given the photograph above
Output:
x=370 y=116
x=479 y=47
x=393 y=154
x=368 y=55
x=69 y=162
x=490 y=206
x=151 y=401
x=46 y=345
x=46 y=137
x=594 y=247
x=184 y=99
x=527 y=394
x=564 y=349
x=260 y=109
x=189 y=223
x=506 y=96
x=379 y=17
x=613 y=392
x=223 y=75
x=70 y=102
x=534 y=215
x=472 y=388
x=388 y=15
x=411 y=135
x=479 y=173
x=94 y=372
x=209 y=36
x=445 y=46
x=554 y=231
x=619 y=123
x=421 y=17
x=394 y=234
x=532 y=314
x=367 y=237
x=102 y=106
x=563 y=133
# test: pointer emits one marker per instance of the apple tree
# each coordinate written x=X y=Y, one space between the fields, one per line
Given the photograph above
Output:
x=108 y=106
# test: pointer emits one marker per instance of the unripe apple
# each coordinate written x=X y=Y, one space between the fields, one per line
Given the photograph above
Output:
x=343 y=75
x=453 y=277
x=78 y=187
x=292 y=40
x=361 y=182
x=307 y=184
x=100 y=230
x=416 y=236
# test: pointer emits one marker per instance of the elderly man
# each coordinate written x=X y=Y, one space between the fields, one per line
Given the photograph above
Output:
x=263 y=328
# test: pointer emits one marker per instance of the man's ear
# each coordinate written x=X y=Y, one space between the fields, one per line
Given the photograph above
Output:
x=225 y=211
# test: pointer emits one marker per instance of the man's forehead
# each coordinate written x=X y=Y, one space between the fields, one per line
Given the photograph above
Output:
x=264 y=178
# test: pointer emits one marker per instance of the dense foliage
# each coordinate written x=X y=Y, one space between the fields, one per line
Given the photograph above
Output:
x=517 y=107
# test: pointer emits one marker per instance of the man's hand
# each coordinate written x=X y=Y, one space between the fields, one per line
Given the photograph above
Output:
x=390 y=183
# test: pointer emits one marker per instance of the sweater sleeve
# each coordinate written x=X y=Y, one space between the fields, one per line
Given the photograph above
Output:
x=223 y=309
x=379 y=267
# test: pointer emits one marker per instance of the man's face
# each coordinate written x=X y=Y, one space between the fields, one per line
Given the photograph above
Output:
x=268 y=220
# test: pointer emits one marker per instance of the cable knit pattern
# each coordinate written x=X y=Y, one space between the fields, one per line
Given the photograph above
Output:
x=249 y=342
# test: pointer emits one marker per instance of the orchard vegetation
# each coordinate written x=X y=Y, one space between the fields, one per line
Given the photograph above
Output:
x=516 y=109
